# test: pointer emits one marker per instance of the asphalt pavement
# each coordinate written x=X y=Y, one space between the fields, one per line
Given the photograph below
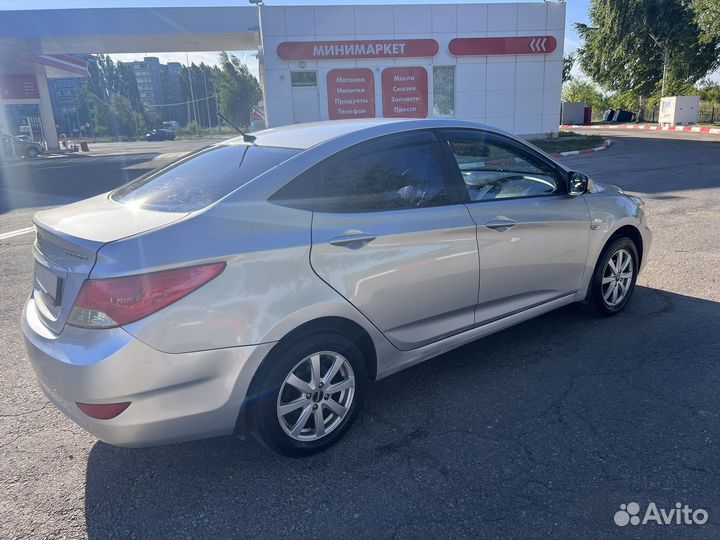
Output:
x=28 y=185
x=540 y=431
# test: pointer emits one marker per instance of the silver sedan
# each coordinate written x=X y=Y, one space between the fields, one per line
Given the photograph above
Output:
x=261 y=284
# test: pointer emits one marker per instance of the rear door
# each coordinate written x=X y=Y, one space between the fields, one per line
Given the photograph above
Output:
x=532 y=236
x=389 y=235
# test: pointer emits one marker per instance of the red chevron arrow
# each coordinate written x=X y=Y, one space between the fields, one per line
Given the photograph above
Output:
x=502 y=45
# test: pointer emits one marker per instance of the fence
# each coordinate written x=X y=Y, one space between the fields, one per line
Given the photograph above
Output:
x=709 y=113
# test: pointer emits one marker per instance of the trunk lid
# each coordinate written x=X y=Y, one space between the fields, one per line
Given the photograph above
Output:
x=66 y=246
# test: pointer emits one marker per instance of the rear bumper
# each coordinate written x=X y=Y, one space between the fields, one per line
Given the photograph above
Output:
x=174 y=397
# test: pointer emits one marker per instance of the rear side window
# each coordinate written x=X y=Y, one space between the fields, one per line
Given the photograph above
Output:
x=201 y=180
x=390 y=173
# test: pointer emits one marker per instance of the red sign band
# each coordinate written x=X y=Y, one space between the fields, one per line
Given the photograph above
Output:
x=351 y=93
x=405 y=92
x=502 y=45
x=384 y=48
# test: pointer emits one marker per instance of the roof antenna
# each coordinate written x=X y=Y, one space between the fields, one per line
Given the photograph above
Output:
x=246 y=136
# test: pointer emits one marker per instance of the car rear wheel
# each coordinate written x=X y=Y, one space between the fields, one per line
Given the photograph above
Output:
x=615 y=276
x=311 y=392
x=32 y=152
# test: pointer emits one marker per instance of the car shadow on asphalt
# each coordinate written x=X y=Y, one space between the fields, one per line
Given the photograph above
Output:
x=541 y=430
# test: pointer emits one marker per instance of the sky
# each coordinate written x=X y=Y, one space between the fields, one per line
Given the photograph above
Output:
x=576 y=12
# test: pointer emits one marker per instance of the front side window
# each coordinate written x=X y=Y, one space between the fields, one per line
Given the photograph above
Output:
x=202 y=179
x=390 y=173
x=494 y=168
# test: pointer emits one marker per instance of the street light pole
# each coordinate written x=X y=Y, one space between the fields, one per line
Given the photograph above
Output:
x=207 y=100
x=261 y=67
x=666 y=61
x=192 y=94
x=217 y=122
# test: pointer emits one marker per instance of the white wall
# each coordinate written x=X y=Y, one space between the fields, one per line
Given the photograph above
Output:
x=518 y=93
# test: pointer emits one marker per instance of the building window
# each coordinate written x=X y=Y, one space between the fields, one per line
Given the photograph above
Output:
x=444 y=91
x=303 y=78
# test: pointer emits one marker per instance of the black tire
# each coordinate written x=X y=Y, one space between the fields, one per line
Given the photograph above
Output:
x=32 y=153
x=265 y=424
x=597 y=300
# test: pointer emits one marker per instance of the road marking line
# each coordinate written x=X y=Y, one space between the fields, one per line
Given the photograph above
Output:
x=19 y=232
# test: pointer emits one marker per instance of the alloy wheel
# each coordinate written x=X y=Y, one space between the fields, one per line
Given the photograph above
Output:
x=316 y=396
x=617 y=277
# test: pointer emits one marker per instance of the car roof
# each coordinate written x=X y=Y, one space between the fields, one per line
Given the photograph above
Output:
x=307 y=135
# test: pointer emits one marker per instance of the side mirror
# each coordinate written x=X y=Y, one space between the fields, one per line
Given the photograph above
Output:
x=577 y=183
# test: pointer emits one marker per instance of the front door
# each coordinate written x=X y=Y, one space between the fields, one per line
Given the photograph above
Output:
x=392 y=239
x=532 y=236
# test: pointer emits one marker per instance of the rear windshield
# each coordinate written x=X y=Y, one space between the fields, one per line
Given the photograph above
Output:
x=201 y=180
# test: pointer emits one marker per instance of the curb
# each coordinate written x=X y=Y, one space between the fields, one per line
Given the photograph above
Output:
x=603 y=146
x=649 y=127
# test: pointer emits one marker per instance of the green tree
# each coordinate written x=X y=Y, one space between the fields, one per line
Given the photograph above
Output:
x=84 y=106
x=238 y=91
x=152 y=120
x=109 y=75
x=126 y=86
x=586 y=92
x=96 y=82
x=102 y=115
x=709 y=91
x=123 y=115
x=204 y=82
x=707 y=13
x=625 y=48
x=568 y=63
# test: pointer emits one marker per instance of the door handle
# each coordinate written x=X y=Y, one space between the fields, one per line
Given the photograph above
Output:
x=501 y=225
x=353 y=240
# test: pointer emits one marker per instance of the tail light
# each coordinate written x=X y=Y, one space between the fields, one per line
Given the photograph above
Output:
x=105 y=303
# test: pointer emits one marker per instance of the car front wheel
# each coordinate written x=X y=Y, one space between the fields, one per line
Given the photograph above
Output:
x=615 y=277
x=311 y=392
x=32 y=153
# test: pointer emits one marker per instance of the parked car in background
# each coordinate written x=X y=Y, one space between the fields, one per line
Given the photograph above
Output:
x=262 y=283
x=21 y=147
x=160 y=135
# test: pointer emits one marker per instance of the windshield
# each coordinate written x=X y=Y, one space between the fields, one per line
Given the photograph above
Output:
x=203 y=179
